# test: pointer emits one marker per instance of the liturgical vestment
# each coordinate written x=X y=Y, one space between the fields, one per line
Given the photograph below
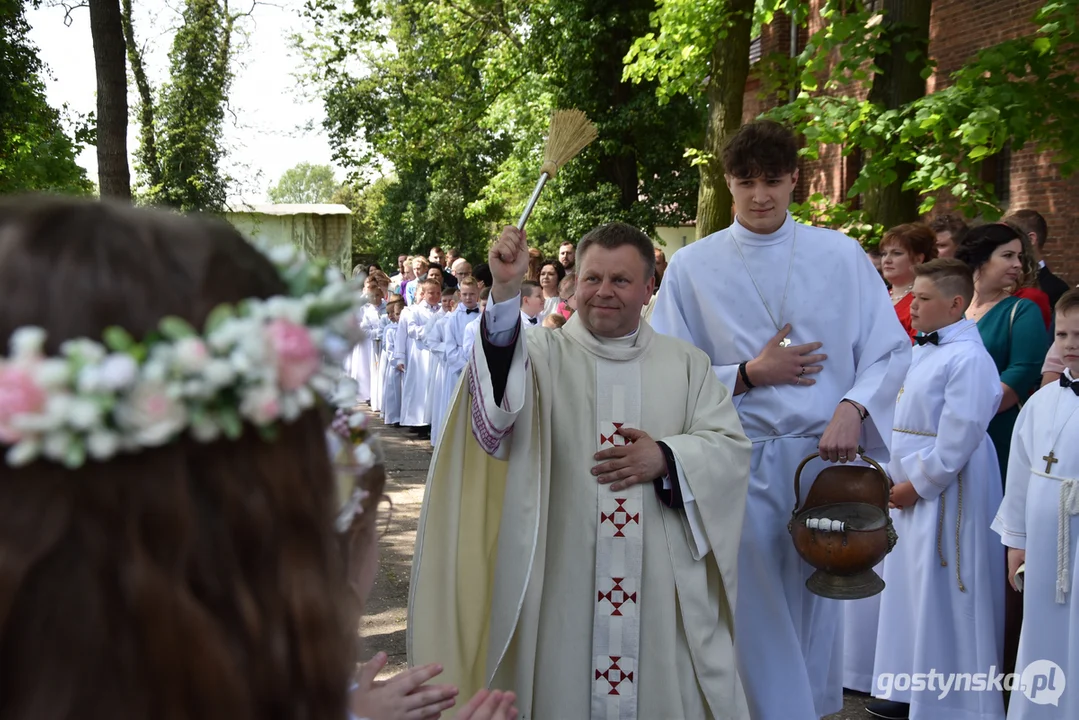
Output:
x=942 y=607
x=530 y=576
x=728 y=294
x=1040 y=514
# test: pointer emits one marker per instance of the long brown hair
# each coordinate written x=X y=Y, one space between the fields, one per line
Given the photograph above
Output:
x=190 y=581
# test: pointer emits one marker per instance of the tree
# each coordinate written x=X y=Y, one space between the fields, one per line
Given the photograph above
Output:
x=701 y=45
x=305 y=183
x=457 y=96
x=35 y=151
x=181 y=150
x=1016 y=92
x=114 y=177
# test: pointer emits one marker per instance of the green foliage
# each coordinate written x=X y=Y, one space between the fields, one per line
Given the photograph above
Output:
x=180 y=153
x=1012 y=93
x=305 y=183
x=457 y=95
x=36 y=153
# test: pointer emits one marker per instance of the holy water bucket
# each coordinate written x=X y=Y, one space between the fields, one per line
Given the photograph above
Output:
x=843 y=529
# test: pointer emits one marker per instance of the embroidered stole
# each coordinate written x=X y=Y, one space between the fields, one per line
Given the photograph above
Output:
x=619 y=553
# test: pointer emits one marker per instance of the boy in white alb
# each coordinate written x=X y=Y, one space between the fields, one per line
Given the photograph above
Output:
x=1039 y=525
x=942 y=608
x=391 y=375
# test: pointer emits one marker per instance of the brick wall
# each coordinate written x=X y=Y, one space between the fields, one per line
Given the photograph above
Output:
x=959 y=28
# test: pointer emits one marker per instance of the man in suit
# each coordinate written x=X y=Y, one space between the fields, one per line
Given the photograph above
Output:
x=1033 y=224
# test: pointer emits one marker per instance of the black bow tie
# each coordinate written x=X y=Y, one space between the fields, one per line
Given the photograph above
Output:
x=930 y=338
x=1066 y=383
x=473 y=310
x=533 y=321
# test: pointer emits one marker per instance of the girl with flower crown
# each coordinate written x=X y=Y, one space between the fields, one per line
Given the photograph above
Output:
x=167 y=545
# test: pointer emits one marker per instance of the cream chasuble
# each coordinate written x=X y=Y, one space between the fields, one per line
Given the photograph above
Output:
x=529 y=576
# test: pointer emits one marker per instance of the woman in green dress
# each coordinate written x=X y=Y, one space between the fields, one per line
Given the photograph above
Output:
x=1012 y=329
x=1014 y=334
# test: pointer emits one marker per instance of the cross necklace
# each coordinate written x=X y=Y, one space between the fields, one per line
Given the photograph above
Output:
x=1051 y=459
x=786 y=342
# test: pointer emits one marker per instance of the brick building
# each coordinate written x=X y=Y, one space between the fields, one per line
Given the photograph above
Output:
x=1024 y=178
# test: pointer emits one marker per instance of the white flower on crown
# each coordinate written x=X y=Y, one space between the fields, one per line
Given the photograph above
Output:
x=151 y=414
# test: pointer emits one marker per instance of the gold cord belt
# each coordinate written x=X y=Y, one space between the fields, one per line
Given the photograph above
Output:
x=940 y=519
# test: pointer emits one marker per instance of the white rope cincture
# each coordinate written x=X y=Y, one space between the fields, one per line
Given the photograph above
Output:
x=1069 y=505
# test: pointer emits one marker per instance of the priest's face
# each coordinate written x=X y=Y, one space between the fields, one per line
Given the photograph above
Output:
x=1067 y=339
x=931 y=309
x=612 y=289
x=761 y=202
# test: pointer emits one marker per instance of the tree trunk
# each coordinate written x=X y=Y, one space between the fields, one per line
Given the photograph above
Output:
x=725 y=90
x=151 y=167
x=899 y=82
x=114 y=176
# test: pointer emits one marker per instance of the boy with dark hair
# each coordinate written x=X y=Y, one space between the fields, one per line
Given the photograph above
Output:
x=531 y=304
x=761 y=298
x=942 y=607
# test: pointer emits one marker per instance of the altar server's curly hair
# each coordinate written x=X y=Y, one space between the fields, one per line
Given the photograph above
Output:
x=615 y=235
x=194 y=581
x=763 y=148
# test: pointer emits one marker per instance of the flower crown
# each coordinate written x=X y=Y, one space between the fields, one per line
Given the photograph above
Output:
x=259 y=361
x=354 y=450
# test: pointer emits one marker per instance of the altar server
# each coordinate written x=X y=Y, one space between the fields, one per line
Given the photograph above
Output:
x=1037 y=522
x=942 y=608
x=391 y=375
x=456 y=348
x=412 y=356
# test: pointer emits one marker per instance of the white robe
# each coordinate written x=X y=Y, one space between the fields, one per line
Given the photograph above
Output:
x=359 y=363
x=859 y=623
x=411 y=350
x=371 y=323
x=455 y=351
x=940 y=445
x=1036 y=516
x=432 y=340
x=789 y=640
x=391 y=377
x=504 y=580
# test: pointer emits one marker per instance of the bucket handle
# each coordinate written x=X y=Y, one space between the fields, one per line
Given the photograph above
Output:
x=861 y=454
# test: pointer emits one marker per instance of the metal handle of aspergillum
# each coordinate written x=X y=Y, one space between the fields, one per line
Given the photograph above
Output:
x=543 y=178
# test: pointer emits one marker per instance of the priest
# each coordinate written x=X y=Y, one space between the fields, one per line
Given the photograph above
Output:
x=579 y=533
x=798 y=326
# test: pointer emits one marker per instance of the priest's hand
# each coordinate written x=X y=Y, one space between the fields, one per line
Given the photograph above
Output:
x=903 y=496
x=839 y=443
x=778 y=365
x=641 y=461
x=508 y=260
x=1016 y=557
x=402 y=697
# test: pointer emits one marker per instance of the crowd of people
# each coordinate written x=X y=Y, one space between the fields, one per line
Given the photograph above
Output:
x=189 y=492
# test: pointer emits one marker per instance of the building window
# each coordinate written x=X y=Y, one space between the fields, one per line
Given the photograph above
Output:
x=997 y=170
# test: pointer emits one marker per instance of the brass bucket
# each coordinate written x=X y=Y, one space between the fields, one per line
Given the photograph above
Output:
x=843 y=529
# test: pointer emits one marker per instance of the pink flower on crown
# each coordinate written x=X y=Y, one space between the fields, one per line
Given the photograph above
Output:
x=19 y=395
x=296 y=354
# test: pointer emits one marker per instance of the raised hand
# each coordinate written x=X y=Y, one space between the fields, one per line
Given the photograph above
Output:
x=508 y=260
x=792 y=365
x=490 y=705
x=405 y=696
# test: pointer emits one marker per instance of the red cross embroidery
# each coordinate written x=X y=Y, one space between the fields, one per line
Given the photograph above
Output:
x=609 y=439
x=614 y=675
x=620 y=518
x=617 y=597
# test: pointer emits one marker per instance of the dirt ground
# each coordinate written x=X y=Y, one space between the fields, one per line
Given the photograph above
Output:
x=407 y=459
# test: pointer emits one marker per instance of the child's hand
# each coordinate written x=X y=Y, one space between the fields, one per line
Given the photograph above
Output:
x=1016 y=557
x=903 y=496
x=490 y=705
x=403 y=697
